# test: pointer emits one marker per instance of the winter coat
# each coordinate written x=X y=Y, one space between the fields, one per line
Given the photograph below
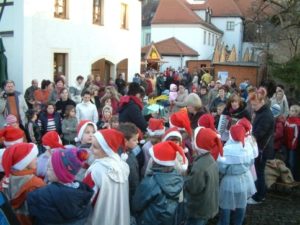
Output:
x=195 y=117
x=291 y=132
x=43 y=122
x=263 y=130
x=21 y=183
x=57 y=203
x=130 y=112
x=202 y=188
x=279 y=135
x=61 y=106
x=134 y=177
x=21 y=108
x=240 y=113
x=109 y=176
x=157 y=196
x=69 y=130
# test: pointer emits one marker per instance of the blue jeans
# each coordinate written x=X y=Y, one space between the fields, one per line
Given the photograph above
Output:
x=238 y=213
x=193 y=221
x=260 y=164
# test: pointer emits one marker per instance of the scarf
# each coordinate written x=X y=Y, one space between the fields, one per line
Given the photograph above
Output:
x=126 y=99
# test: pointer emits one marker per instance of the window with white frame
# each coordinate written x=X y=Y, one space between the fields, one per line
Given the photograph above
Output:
x=230 y=25
x=124 y=16
x=204 y=37
x=60 y=9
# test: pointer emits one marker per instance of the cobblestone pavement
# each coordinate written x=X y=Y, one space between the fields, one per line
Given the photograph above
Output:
x=281 y=207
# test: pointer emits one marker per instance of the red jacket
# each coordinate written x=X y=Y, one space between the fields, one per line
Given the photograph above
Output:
x=279 y=132
x=291 y=132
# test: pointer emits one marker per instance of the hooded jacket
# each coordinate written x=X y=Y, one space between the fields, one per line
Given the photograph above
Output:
x=59 y=204
x=109 y=178
x=156 y=198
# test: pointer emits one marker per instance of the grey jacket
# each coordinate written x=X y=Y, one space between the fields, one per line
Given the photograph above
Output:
x=202 y=188
x=22 y=108
x=69 y=128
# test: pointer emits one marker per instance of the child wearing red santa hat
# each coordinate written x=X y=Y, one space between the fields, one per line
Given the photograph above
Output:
x=64 y=200
x=181 y=164
x=157 y=197
x=108 y=176
x=50 y=141
x=181 y=121
x=155 y=131
x=202 y=183
x=19 y=163
x=11 y=136
x=85 y=132
x=237 y=184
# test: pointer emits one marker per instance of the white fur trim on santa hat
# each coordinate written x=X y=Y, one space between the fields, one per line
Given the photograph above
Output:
x=156 y=132
x=172 y=134
x=27 y=159
x=81 y=131
x=101 y=140
x=163 y=163
x=10 y=143
x=197 y=130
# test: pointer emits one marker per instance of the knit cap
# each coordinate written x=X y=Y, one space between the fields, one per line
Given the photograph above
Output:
x=67 y=162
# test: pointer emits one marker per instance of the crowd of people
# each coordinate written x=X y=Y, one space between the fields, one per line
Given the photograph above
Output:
x=87 y=154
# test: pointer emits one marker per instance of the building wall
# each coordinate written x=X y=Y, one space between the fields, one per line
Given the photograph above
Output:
x=234 y=37
x=239 y=72
x=145 y=31
x=175 y=62
x=191 y=35
x=39 y=35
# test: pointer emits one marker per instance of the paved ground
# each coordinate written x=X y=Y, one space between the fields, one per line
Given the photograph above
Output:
x=281 y=207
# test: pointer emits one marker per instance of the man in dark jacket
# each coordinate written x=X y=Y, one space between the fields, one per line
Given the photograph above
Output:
x=130 y=107
x=121 y=84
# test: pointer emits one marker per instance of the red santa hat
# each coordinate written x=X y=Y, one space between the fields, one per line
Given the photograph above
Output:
x=237 y=133
x=51 y=140
x=81 y=127
x=172 y=132
x=164 y=153
x=110 y=141
x=208 y=140
x=246 y=124
x=207 y=121
x=18 y=157
x=156 y=127
x=181 y=120
x=12 y=135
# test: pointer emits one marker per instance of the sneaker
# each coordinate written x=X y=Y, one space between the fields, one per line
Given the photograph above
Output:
x=251 y=201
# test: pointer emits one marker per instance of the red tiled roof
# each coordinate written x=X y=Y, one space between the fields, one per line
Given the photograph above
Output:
x=220 y=8
x=171 y=47
x=178 y=12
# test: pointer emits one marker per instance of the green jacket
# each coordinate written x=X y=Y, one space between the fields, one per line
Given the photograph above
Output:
x=202 y=188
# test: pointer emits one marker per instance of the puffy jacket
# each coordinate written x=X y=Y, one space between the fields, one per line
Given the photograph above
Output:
x=59 y=204
x=156 y=198
x=263 y=130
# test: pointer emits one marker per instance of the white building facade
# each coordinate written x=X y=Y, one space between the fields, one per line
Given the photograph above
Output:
x=80 y=38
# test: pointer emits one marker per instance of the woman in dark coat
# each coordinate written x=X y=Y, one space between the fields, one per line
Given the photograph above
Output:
x=62 y=103
x=130 y=107
x=263 y=131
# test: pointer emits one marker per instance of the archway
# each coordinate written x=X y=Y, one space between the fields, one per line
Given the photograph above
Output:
x=122 y=67
x=104 y=68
